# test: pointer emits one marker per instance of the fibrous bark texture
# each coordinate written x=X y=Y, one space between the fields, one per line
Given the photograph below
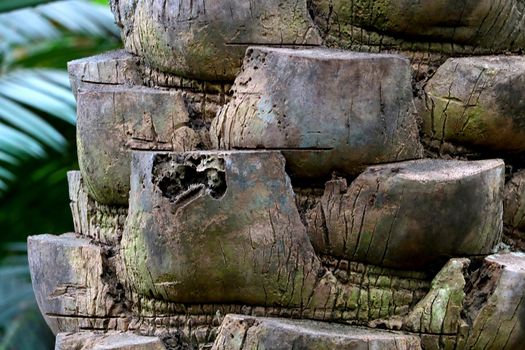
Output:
x=112 y=68
x=73 y=286
x=494 y=306
x=467 y=307
x=215 y=232
x=442 y=26
x=102 y=223
x=514 y=210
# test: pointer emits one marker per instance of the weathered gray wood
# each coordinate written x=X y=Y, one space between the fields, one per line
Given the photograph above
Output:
x=72 y=284
x=438 y=317
x=207 y=39
x=122 y=68
x=471 y=307
x=239 y=332
x=111 y=68
x=514 y=203
x=442 y=26
x=477 y=102
x=116 y=113
x=439 y=312
x=103 y=223
x=114 y=120
x=216 y=232
x=223 y=227
x=328 y=110
x=514 y=211
x=106 y=341
x=494 y=306
x=414 y=214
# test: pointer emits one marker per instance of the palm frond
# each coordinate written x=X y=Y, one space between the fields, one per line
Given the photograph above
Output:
x=35 y=102
x=25 y=95
x=43 y=191
x=28 y=87
x=21 y=325
x=51 y=21
x=80 y=17
x=7 y=158
x=11 y=5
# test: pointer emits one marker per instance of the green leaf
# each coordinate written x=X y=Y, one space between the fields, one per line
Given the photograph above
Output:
x=16 y=247
x=6 y=174
x=55 y=53
x=49 y=22
x=7 y=272
x=30 y=123
x=12 y=140
x=16 y=261
x=31 y=79
x=7 y=158
x=28 y=331
x=10 y=305
x=35 y=25
x=9 y=35
x=38 y=100
x=58 y=76
x=10 y=5
x=37 y=116
x=22 y=324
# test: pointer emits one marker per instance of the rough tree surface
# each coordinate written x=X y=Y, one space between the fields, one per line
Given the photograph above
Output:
x=306 y=174
x=288 y=99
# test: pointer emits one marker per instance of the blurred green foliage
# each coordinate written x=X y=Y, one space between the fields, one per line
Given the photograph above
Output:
x=21 y=324
x=37 y=140
x=37 y=108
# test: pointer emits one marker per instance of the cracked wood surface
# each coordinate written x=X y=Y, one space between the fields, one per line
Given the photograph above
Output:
x=116 y=115
x=439 y=312
x=443 y=26
x=114 y=120
x=215 y=233
x=477 y=102
x=471 y=307
x=207 y=39
x=341 y=290
x=478 y=307
x=412 y=215
x=258 y=251
x=111 y=68
x=495 y=304
x=122 y=68
x=106 y=341
x=514 y=201
x=514 y=210
x=72 y=284
x=239 y=332
x=326 y=110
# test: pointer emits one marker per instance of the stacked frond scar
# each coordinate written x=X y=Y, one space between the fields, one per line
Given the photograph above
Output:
x=296 y=175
